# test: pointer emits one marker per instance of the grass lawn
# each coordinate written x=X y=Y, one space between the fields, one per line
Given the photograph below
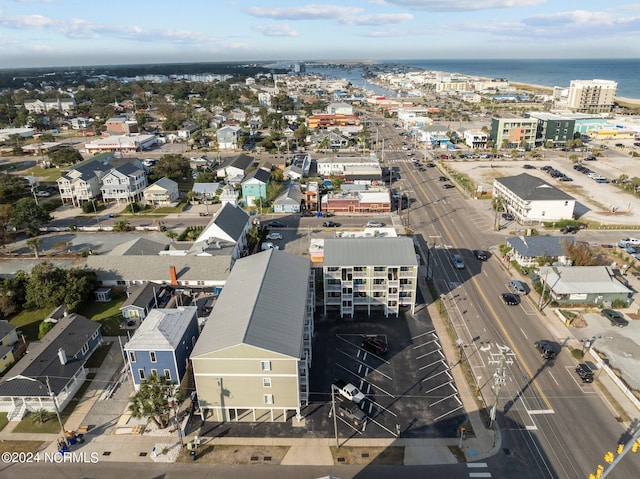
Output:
x=47 y=174
x=51 y=425
x=108 y=314
x=3 y=420
x=28 y=322
x=20 y=446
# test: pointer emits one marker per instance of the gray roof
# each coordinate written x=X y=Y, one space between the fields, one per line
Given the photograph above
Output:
x=538 y=246
x=581 y=279
x=129 y=169
x=139 y=247
x=240 y=161
x=141 y=295
x=259 y=174
x=291 y=195
x=230 y=219
x=166 y=183
x=531 y=188
x=263 y=304
x=5 y=328
x=156 y=268
x=369 y=252
x=162 y=329
x=208 y=188
x=71 y=333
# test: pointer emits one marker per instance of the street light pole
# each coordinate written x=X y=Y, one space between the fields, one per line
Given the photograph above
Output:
x=55 y=405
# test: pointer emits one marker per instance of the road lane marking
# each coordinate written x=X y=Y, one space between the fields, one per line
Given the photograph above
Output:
x=554 y=379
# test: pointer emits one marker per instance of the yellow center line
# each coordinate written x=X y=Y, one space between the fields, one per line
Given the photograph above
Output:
x=489 y=306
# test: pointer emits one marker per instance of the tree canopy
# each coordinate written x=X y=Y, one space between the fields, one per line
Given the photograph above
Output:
x=12 y=188
x=65 y=156
x=152 y=400
x=28 y=215
x=172 y=166
x=49 y=286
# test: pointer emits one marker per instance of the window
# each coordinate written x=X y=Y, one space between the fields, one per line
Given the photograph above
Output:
x=167 y=375
x=266 y=382
x=85 y=349
x=268 y=398
x=265 y=365
x=152 y=354
x=141 y=374
x=154 y=372
x=132 y=356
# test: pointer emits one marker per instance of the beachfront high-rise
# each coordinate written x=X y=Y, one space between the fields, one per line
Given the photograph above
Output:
x=592 y=96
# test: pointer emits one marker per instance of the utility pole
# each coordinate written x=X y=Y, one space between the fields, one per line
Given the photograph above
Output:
x=501 y=359
x=55 y=405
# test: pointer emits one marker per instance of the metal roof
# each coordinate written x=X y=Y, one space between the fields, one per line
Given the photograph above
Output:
x=263 y=304
x=139 y=246
x=581 y=279
x=531 y=188
x=538 y=246
x=230 y=219
x=369 y=252
x=162 y=329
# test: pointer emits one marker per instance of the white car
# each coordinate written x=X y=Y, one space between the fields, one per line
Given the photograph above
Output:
x=268 y=245
x=274 y=236
x=374 y=224
x=623 y=243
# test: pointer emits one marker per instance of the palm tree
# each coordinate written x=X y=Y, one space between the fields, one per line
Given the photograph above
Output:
x=172 y=235
x=34 y=244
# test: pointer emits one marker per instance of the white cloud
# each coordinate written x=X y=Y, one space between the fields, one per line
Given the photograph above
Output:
x=462 y=5
x=306 y=12
x=381 y=19
x=277 y=30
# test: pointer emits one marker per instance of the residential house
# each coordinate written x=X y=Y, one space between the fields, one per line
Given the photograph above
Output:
x=234 y=167
x=205 y=191
x=142 y=298
x=64 y=105
x=82 y=182
x=254 y=186
x=583 y=285
x=163 y=192
x=162 y=344
x=251 y=362
x=373 y=200
x=8 y=338
x=227 y=137
x=291 y=200
x=229 y=225
x=188 y=128
x=121 y=125
x=532 y=200
x=475 y=138
x=365 y=274
x=52 y=370
x=124 y=183
x=528 y=250
x=329 y=139
x=80 y=123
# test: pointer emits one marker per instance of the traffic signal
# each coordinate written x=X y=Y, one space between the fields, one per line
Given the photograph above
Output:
x=608 y=457
x=620 y=448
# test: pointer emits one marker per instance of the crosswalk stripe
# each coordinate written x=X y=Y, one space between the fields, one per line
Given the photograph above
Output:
x=476 y=464
x=479 y=474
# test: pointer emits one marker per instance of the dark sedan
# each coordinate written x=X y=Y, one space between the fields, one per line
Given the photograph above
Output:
x=510 y=299
x=275 y=224
x=374 y=345
x=330 y=224
x=508 y=216
x=615 y=318
x=482 y=255
x=448 y=186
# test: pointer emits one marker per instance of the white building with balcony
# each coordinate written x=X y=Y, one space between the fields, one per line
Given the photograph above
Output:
x=369 y=274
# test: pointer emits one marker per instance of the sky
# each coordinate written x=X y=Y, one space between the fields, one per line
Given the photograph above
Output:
x=41 y=33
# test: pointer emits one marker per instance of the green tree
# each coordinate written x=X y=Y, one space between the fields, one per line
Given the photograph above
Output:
x=6 y=234
x=151 y=401
x=121 y=225
x=12 y=188
x=45 y=287
x=28 y=215
x=173 y=166
x=43 y=328
x=34 y=243
x=65 y=156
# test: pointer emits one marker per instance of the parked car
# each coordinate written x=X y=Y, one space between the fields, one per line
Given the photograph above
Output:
x=510 y=299
x=569 y=229
x=350 y=410
x=508 y=216
x=374 y=224
x=545 y=348
x=481 y=254
x=623 y=243
x=274 y=236
x=349 y=391
x=517 y=286
x=615 y=318
x=43 y=193
x=585 y=372
x=374 y=344
x=529 y=167
x=448 y=186
x=267 y=245
x=275 y=224
x=330 y=224
x=443 y=178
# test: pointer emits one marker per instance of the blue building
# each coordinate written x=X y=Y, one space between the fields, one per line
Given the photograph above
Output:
x=162 y=344
x=254 y=186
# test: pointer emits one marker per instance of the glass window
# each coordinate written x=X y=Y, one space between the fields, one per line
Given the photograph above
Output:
x=152 y=354
x=167 y=375
x=268 y=398
x=132 y=356
x=266 y=382
x=141 y=374
x=265 y=365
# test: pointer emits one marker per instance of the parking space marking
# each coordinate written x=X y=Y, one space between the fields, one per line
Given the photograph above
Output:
x=429 y=365
x=446 y=371
x=447 y=413
x=380 y=407
x=428 y=391
x=393 y=433
x=437 y=341
x=427 y=354
x=423 y=334
x=362 y=364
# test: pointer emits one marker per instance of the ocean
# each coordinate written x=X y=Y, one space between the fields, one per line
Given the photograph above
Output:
x=547 y=73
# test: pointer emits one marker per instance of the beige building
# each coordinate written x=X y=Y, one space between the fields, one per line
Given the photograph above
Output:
x=592 y=96
x=365 y=274
x=252 y=359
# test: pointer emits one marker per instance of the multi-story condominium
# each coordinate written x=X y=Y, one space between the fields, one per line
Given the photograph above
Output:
x=369 y=274
x=533 y=200
x=513 y=132
x=82 y=183
x=592 y=96
x=64 y=105
x=251 y=362
x=124 y=183
x=557 y=129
